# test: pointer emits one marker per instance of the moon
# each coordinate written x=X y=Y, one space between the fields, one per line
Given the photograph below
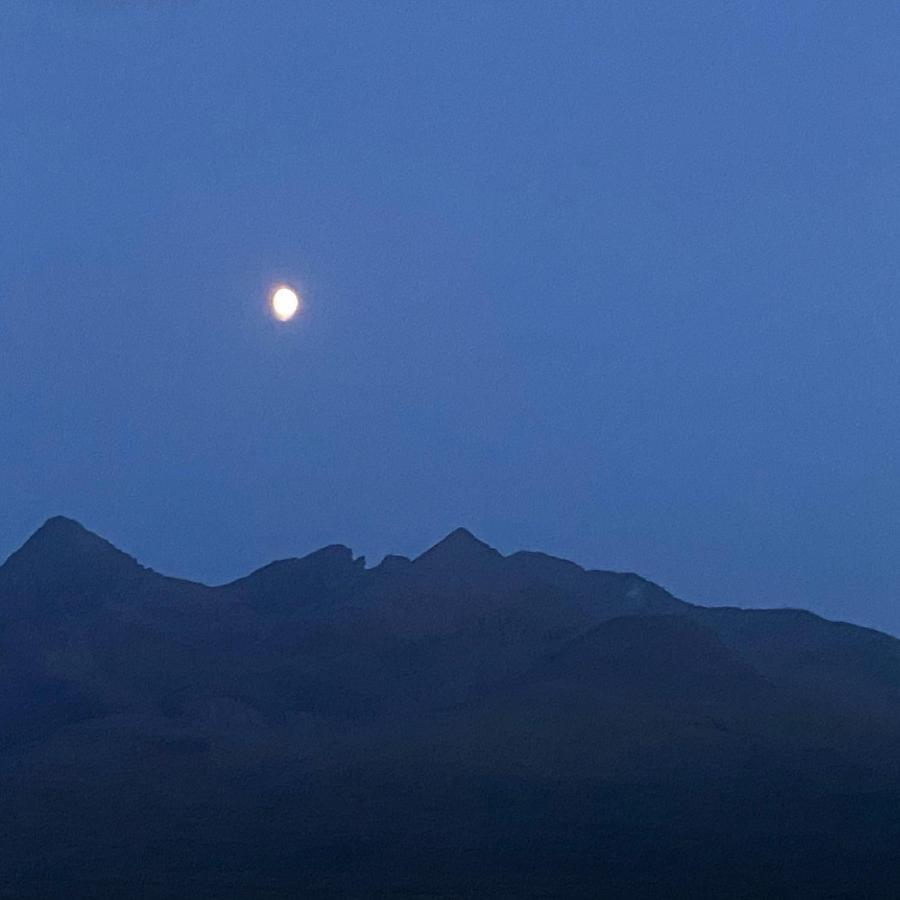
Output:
x=285 y=303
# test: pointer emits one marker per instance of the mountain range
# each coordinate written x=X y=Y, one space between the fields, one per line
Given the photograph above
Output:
x=462 y=724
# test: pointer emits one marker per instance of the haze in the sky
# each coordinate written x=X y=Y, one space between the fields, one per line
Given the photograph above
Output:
x=618 y=281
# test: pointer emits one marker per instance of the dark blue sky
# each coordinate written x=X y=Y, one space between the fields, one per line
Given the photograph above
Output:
x=618 y=281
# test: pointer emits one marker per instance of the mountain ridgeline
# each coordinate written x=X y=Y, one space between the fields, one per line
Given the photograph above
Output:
x=464 y=724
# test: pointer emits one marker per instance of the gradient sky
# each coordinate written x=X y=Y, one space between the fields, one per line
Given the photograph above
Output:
x=618 y=281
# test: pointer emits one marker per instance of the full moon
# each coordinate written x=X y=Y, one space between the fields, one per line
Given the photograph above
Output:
x=285 y=303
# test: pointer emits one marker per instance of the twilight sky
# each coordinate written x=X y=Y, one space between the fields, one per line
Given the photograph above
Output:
x=619 y=281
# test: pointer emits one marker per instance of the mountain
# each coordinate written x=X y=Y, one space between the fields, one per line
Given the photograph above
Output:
x=460 y=724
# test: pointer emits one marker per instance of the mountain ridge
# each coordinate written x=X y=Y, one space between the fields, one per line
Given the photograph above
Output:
x=62 y=539
x=64 y=536
x=302 y=728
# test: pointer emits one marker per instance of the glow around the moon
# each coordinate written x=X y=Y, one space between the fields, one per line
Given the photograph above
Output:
x=285 y=303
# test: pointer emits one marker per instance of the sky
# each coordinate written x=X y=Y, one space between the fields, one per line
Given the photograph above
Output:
x=618 y=281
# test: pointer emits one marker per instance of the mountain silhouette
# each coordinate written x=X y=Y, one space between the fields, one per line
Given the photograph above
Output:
x=459 y=551
x=63 y=557
x=460 y=724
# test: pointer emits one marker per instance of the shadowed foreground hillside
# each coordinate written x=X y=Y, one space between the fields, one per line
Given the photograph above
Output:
x=459 y=725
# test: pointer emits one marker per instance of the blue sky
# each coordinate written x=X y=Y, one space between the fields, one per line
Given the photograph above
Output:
x=618 y=281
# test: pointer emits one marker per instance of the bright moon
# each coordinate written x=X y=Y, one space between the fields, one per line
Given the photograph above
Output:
x=285 y=303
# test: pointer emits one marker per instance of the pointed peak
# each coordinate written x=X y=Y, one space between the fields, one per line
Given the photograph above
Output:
x=460 y=547
x=463 y=534
x=63 y=548
x=62 y=525
x=61 y=534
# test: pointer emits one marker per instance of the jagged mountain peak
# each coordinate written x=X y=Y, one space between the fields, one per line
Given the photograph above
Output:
x=65 y=557
x=62 y=539
x=62 y=528
x=317 y=578
x=459 y=548
x=333 y=557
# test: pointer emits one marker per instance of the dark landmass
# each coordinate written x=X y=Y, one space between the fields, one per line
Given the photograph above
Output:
x=464 y=724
